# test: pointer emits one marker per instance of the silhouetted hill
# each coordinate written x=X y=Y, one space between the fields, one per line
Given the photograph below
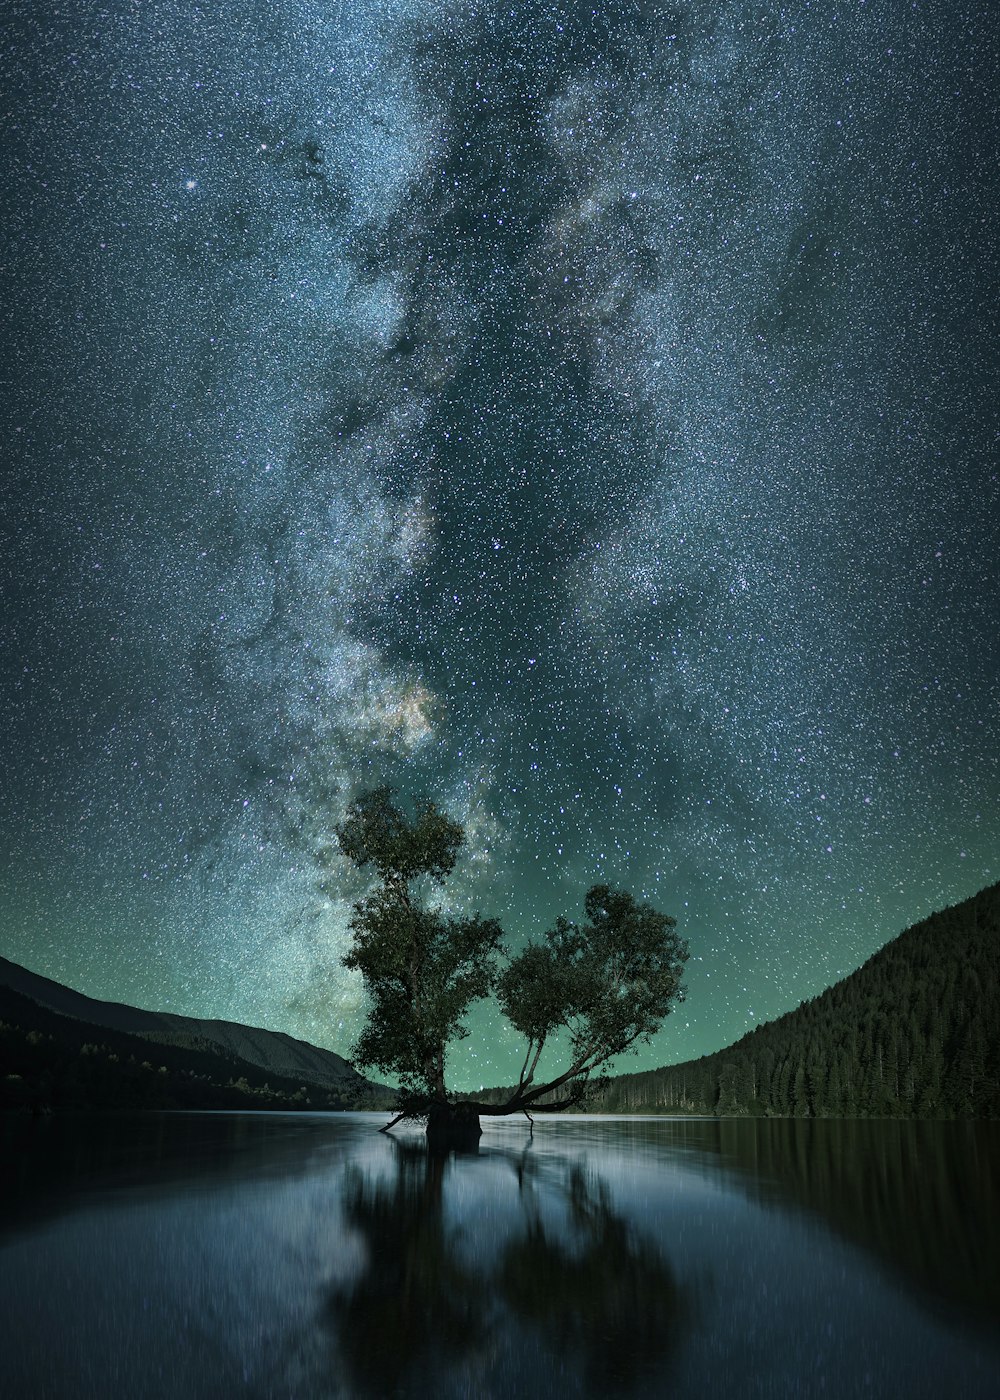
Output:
x=272 y=1051
x=61 y=1048
x=915 y=1032
x=52 y=1061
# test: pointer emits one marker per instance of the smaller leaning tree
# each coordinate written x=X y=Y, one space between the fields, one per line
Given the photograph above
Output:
x=606 y=984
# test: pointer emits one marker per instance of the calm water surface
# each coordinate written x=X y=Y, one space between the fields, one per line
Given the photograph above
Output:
x=311 y=1256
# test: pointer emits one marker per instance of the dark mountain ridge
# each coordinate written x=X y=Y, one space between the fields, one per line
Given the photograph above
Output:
x=274 y=1052
x=49 y=1061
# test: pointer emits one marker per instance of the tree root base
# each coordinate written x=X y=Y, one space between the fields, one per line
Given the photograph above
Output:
x=453 y=1126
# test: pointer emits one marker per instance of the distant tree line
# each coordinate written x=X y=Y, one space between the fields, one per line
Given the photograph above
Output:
x=914 y=1033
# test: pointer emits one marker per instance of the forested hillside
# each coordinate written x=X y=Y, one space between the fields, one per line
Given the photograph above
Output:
x=915 y=1032
x=49 y=1061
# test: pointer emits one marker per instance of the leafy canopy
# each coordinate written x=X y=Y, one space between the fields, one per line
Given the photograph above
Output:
x=606 y=983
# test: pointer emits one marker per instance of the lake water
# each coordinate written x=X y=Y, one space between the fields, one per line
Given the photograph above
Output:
x=242 y=1255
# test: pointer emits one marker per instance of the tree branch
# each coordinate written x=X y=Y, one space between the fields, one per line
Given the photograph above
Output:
x=584 y=1065
x=520 y=1077
x=531 y=1072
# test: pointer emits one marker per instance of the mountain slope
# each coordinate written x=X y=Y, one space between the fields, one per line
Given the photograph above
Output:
x=49 y=1061
x=915 y=1032
x=272 y=1051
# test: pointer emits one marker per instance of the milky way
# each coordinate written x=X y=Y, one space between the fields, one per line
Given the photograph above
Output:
x=586 y=415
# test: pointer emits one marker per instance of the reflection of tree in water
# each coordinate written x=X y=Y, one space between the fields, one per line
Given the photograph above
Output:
x=601 y=1299
x=602 y=1295
x=413 y=1302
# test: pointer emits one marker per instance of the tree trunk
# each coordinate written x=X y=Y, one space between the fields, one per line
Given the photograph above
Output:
x=453 y=1125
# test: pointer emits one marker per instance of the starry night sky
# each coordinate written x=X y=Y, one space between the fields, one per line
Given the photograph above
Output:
x=586 y=415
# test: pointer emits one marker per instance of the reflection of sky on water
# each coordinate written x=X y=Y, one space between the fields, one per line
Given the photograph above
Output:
x=239 y=1276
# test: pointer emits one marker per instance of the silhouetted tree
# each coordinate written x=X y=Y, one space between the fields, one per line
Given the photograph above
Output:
x=605 y=984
